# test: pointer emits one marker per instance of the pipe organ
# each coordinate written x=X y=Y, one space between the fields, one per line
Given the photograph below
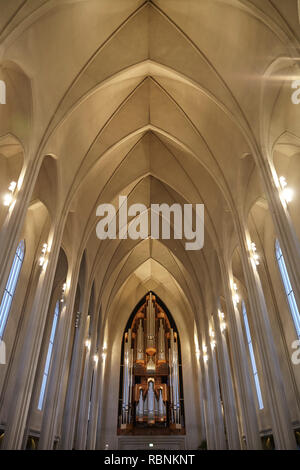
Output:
x=150 y=391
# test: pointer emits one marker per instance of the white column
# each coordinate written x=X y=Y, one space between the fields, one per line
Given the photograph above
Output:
x=230 y=408
x=241 y=366
x=30 y=350
x=59 y=366
x=277 y=403
x=72 y=397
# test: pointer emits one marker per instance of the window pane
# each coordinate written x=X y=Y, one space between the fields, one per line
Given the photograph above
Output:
x=252 y=358
x=49 y=356
x=288 y=288
x=42 y=394
x=11 y=286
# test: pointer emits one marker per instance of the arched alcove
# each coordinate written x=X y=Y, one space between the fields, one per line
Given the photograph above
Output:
x=151 y=388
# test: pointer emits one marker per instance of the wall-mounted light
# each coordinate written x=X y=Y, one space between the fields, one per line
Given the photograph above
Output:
x=104 y=354
x=77 y=319
x=287 y=193
x=88 y=344
x=43 y=258
x=235 y=296
x=198 y=353
x=96 y=358
x=63 y=292
x=254 y=255
x=222 y=321
x=9 y=197
x=213 y=341
x=205 y=356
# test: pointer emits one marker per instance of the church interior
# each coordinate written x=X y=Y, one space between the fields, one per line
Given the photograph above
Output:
x=122 y=343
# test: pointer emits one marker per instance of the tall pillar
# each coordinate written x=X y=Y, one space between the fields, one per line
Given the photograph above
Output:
x=73 y=389
x=30 y=351
x=241 y=366
x=85 y=392
x=92 y=428
x=54 y=394
x=208 y=406
x=216 y=410
x=278 y=406
x=230 y=409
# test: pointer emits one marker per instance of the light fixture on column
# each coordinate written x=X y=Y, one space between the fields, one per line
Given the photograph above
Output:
x=198 y=353
x=88 y=344
x=96 y=358
x=222 y=321
x=254 y=255
x=63 y=292
x=43 y=258
x=205 y=356
x=213 y=341
x=9 y=197
x=235 y=296
x=104 y=352
x=287 y=193
x=77 y=319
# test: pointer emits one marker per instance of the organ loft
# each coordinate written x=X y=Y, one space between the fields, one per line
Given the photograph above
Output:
x=151 y=398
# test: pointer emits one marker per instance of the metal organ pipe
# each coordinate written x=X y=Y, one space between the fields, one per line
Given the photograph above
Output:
x=151 y=347
x=127 y=380
x=140 y=343
x=161 y=356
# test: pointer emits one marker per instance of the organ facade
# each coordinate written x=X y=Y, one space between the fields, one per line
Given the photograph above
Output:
x=151 y=392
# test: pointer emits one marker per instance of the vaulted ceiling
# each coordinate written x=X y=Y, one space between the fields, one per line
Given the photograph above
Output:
x=158 y=100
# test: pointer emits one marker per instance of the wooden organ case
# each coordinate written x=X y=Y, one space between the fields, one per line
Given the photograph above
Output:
x=151 y=392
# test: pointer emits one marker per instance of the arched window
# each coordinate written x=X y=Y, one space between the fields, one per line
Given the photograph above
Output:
x=252 y=358
x=11 y=286
x=288 y=287
x=49 y=355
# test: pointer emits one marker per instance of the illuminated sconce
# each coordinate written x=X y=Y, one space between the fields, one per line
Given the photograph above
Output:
x=88 y=344
x=212 y=335
x=43 y=261
x=198 y=353
x=205 y=356
x=254 y=255
x=287 y=193
x=95 y=358
x=104 y=352
x=235 y=296
x=221 y=315
x=222 y=321
x=63 y=293
x=9 y=197
x=77 y=319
